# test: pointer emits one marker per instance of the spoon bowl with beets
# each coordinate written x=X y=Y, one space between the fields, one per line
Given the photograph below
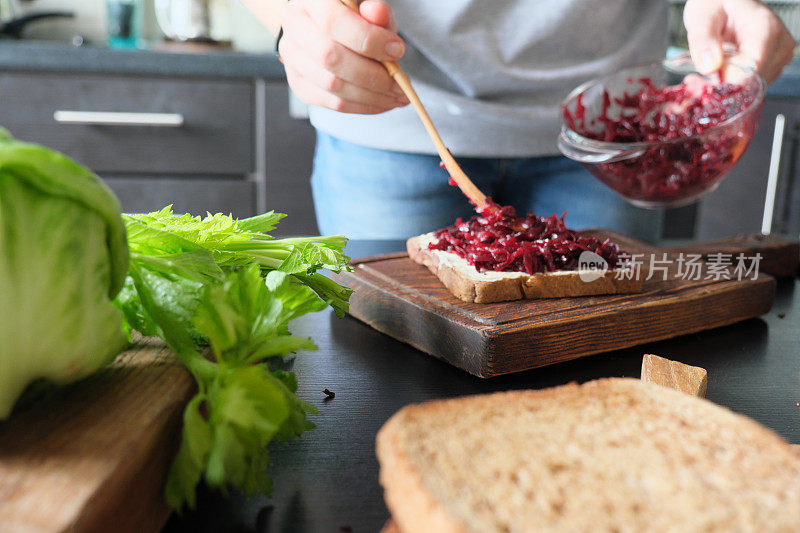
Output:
x=660 y=134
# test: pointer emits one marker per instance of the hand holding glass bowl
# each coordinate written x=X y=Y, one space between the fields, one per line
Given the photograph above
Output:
x=694 y=152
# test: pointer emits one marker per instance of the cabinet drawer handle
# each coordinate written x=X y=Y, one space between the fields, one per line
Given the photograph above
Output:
x=108 y=118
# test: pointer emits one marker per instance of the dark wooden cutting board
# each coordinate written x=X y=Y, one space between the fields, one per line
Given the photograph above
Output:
x=404 y=300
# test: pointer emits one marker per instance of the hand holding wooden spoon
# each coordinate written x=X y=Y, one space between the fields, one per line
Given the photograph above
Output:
x=331 y=54
x=458 y=175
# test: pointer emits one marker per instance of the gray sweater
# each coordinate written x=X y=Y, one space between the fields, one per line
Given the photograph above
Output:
x=492 y=73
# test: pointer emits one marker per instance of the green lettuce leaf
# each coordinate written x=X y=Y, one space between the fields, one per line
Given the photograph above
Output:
x=63 y=258
x=237 y=243
x=227 y=284
x=241 y=405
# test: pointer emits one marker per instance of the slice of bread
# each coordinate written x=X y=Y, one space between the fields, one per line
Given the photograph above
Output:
x=609 y=455
x=466 y=283
x=675 y=375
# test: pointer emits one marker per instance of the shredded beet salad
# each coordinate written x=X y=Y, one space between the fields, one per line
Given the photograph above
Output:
x=496 y=239
x=672 y=112
x=661 y=113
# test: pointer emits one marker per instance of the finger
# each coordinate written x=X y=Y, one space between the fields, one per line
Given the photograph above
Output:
x=766 y=40
x=296 y=57
x=705 y=22
x=778 y=59
x=790 y=45
x=338 y=59
x=313 y=95
x=379 y=13
x=349 y=28
x=759 y=35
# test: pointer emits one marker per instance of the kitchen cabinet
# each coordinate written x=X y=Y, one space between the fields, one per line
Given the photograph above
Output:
x=187 y=195
x=235 y=149
x=737 y=206
x=289 y=160
x=187 y=142
x=213 y=138
x=159 y=128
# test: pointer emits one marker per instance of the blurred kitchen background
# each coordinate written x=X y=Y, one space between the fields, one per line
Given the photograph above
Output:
x=152 y=21
x=183 y=102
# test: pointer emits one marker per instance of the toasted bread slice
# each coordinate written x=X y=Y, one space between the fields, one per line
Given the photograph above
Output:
x=609 y=455
x=675 y=375
x=466 y=283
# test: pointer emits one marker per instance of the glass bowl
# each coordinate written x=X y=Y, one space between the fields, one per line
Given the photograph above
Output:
x=667 y=173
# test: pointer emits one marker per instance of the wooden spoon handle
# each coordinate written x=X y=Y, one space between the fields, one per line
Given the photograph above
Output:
x=458 y=175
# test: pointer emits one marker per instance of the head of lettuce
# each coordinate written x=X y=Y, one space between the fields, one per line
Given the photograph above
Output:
x=63 y=259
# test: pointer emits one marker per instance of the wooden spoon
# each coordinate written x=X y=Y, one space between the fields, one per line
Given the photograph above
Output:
x=461 y=179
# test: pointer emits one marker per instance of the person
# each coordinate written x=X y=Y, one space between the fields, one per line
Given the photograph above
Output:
x=492 y=75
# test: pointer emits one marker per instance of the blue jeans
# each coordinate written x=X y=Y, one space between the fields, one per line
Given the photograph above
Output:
x=367 y=193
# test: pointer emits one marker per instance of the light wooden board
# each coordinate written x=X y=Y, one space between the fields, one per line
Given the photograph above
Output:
x=94 y=456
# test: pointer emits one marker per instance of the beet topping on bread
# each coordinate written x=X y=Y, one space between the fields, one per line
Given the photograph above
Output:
x=499 y=240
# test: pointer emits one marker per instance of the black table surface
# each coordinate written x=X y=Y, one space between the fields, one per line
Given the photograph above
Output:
x=327 y=480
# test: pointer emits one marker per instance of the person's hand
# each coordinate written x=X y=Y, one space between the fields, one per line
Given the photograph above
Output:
x=331 y=55
x=749 y=25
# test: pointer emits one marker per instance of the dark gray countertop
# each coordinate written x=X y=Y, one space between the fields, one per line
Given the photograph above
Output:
x=327 y=480
x=55 y=57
